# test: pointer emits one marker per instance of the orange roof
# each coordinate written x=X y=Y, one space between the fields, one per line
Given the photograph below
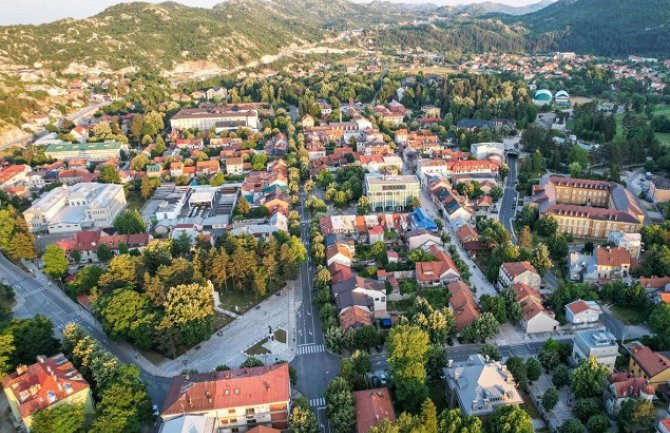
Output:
x=664 y=297
x=203 y=392
x=431 y=271
x=614 y=257
x=514 y=269
x=463 y=304
x=354 y=317
x=524 y=291
x=654 y=282
x=652 y=363
x=578 y=306
x=44 y=383
x=13 y=170
x=467 y=233
x=336 y=249
x=373 y=406
x=531 y=307
x=263 y=429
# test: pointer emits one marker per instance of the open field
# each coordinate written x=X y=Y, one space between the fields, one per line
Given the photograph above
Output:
x=438 y=70
x=580 y=100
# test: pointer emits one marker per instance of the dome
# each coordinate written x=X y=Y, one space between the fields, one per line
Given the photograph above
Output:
x=543 y=95
x=562 y=94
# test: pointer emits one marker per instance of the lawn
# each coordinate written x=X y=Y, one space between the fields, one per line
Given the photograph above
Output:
x=134 y=201
x=239 y=302
x=437 y=393
x=401 y=306
x=258 y=349
x=528 y=405
x=280 y=335
x=629 y=315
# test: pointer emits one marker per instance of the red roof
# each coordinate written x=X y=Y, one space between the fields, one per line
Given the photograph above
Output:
x=514 y=269
x=652 y=363
x=373 y=406
x=339 y=272
x=524 y=291
x=9 y=172
x=467 y=233
x=654 y=282
x=614 y=257
x=354 y=317
x=578 y=306
x=43 y=383
x=203 y=392
x=431 y=271
x=463 y=304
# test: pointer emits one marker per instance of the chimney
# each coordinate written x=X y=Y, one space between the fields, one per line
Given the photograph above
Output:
x=209 y=396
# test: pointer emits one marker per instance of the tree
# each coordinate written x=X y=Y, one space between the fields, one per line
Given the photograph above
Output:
x=550 y=354
x=61 y=418
x=243 y=206
x=181 y=245
x=572 y=426
x=541 y=259
x=558 y=247
x=139 y=162
x=6 y=350
x=31 y=337
x=340 y=408
x=364 y=205
x=129 y=222
x=55 y=262
x=496 y=193
x=575 y=169
x=407 y=346
x=510 y=419
x=561 y=376
x=490 y=351
x=252 y=362
x=109 y=174
x=104 y=253
x=546 y=226
x=127 y=314
x=517 y=367
x=454 y=421
x=585 y=408
x=636 y=417
x=410 y=394
x=589 y=378
x=494 y=305
x=533 y=369
x=484 y=327
x=550 y=399
x=598 y=423
x=525 y=237
x=302 y=418
x=85 y=280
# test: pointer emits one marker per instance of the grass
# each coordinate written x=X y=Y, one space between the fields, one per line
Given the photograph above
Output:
x=528 y=405
x=134 y=201
x=629 y=315
x=402 y=305
x=221 y=320
x=154 y=357
x=437 y=393
x=437 y=297
x=280 y=335
x=663 y=137
x=239 y=302
x=258 y=349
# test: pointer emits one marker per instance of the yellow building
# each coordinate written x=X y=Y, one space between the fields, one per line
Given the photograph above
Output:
x=646 y=363
x=44 y=385
x=588 y=208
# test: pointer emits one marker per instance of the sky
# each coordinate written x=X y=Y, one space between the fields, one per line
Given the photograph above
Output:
x=43 y=11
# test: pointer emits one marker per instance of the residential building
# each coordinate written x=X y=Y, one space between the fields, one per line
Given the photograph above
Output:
x=490 y=151
x=362 y=292
x=20 y=175
x=234 y=165
x=189 y=424
x=588 y=208
x=663 y=426
x=354 y=317
x=629 y=241
x=659 y=189
x=622 y=388
x=480 y=386
x=391 y=192
x=646 y=363
x=99 y=151
x=74 y=208
x=599 y=343
x=44 y=385
x=519 y=272
x=420 y=220
x=536 y=319
x=221 y=118
x=422 y=239
x=438 y=272
x=462 y=304
x=88 y=242
x=582 y=312
x=237 y=400
x=339 y=253
x=372 y=407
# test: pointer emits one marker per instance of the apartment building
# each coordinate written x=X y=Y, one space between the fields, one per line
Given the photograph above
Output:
x=77 y=207
x=94 y=152
x=391 y=192
x=235 y=400
x=599 y=343
x=221 y=118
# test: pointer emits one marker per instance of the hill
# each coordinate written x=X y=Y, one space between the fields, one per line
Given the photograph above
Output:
x=231 y=34
x=478 y=9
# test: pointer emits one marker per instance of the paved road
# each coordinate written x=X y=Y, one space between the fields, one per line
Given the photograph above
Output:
x=37 y=296
x=510 y=196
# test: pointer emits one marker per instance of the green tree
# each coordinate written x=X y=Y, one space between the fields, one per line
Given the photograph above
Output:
x=61 y=418
x=454 y=421
x=85 y=280
x=129 y=222
x=302 y=418
x=243 y=207
x=510 y=419
x=541 y=259
x=407 y=346
x=561 y=376
x=550 y=399
x=252 y=362
x=636 y=417
x=589 y=378
x=55 y=262
x=575 y=169
x=6 y=351
x=494 y=305
x=127 y=314
x=31 y=337
x=598 y=423
x=490 y=351
x=525 y=237
x=364 y=207
x=109 y=174
x=533 y=369
x=517 y=367
x=340 y=408
x=104 y=253
x=572 y=426
x=585 y=408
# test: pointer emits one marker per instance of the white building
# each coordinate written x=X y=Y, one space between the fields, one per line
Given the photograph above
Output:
x=581 y=312
x=78 y=207
x=599 y=343
x=100 y=151
x=488 y=150
x=220 y=117
x=391 y=191
x=629 y=241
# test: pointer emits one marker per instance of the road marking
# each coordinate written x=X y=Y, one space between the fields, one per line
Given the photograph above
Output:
x=317 y=402
x=310 y=348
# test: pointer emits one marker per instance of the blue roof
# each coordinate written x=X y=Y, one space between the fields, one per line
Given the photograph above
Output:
x=420 y=220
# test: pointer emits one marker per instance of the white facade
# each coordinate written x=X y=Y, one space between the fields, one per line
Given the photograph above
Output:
x=598 y=343
x=484 y=150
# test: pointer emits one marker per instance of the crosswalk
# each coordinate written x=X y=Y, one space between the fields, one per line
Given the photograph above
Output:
x=310 y=348
x=317 y=402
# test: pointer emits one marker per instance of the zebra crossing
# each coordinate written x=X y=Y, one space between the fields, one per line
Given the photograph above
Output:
x=310 y=348
x=317 y=402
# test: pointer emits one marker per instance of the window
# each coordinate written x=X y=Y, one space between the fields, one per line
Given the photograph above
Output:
x=250 y=411
x=231 y=410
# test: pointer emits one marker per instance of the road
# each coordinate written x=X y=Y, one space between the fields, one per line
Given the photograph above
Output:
x=38 y=296
x=315 y=367
x=510 y=196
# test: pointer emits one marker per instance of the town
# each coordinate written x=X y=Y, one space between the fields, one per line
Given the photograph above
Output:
x=365 y=240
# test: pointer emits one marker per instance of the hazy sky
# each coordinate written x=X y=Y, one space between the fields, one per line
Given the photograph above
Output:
x=42 y=11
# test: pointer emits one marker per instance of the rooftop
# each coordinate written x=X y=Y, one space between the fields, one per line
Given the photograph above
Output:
x=373 y=406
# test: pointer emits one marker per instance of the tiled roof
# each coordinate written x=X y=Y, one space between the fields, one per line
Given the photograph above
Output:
x=632 y=387
x=578 y=306
x=514 y=269
x=354 y=317
x=524 y=291
x=652 y=363
x=373 y=406
x=654 y=282
x=462 y=303
x=336 y=249
x=203 y=392
x=614 y=257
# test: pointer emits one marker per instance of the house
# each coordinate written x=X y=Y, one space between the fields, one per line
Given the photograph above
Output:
x=236 y=399
x=44 y=385
x=466 y=233
x=234 y=165
x=622 y=388
x=354 y=317
x=612 y=262
x=536 y=319
x=659 y=189
x=462 y=304
x=189 y=424
x=375 y=234
x=362 y=292
x=422 y=239
x=599 y=343
x=339 y=253
x=646 y=363
x=207 y=168
x=629 y=241
x=372 y=407
x=420 y=220
x=663 y=426
x=519 y=272
x=580 y=312
x=441 y=271
x=480 y=386
x=339 y=273
x=88 y=242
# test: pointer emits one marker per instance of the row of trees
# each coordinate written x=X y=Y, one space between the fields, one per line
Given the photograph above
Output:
x=16 y=241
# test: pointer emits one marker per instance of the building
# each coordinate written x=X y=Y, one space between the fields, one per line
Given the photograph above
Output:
x=599 y=343
x=372 y=407
x=482 y=151
x=237 y=400
x=462 y=304
x=659 y=189
x=588 y=208
x=438 y=272
x=339 y=253
x=20 y=175
x=421 y=221
x=664 y=426
x=78 y=207
x=629 y=241
x=543 y=97
x=480 y=386
x=88 y=242
x=612 y=263
x=646 y=363
x=391 y=192
x=234 y=166
x=99 y=151
x=622 y=388
x=221 y=118
x=536 y=319
x=519 y=272
x=582 y=312
x=562 y=98
x=43 y=385
x=189 y=424
x=361 y=292
x=422 y=239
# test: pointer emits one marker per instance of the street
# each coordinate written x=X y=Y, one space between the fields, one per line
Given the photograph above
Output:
x=510 y=196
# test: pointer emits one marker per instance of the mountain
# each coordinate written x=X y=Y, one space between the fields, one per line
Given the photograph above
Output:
x=478 y=9
x=230 y=34
x=604 y=27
